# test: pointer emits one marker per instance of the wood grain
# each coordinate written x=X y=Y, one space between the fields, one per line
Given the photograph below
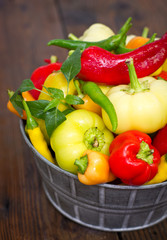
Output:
x=25 y=29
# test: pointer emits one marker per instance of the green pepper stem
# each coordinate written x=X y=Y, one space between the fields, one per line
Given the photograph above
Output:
x=10 y=93
x=116 y=40
x=145 y=153
x=31 y=123
x=82 y=164
x=72 y=36
x=53 y=59
x=77 y=86
x=152 y=38
x=126 y=25
x=145 y=32
x=94 y=139
x=135 y=86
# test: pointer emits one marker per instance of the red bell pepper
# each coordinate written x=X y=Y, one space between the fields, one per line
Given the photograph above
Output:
x=133 y=159
x=40 y=74
x=160 y=141
x=101 y=66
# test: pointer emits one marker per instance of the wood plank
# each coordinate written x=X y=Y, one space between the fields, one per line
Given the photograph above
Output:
x=23 y=204
x=79 y=15
x=25 y=29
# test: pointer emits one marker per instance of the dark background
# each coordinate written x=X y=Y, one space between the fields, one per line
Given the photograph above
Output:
x=25 y=29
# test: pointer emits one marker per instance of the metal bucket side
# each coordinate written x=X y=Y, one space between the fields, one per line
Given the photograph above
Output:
x=106 y=207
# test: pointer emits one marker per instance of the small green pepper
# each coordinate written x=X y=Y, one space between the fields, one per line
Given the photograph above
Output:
x=108 y=44
x=96 y=94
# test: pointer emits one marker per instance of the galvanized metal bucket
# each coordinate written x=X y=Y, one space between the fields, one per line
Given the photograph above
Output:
x=106 y=207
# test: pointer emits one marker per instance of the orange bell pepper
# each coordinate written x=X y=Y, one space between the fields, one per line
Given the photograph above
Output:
x=137 y=42
x=27 y=97
x=89 y=105
x=93 y=168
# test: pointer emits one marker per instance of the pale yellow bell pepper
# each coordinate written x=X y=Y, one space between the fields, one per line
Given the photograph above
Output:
x=96 y=32
x=142 y=105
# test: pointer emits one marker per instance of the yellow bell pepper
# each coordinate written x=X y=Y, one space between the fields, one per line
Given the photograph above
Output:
x=161 y=176
x=81 y=130
x=142 y=105
x=57 y=80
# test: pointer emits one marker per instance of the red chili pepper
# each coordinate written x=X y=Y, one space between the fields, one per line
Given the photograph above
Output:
x=40 y=74
x=133 y=159
x=163 y=75
x=101 y=66
x=160 y=141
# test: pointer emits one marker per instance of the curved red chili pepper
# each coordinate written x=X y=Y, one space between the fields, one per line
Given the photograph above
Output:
x=101 y=66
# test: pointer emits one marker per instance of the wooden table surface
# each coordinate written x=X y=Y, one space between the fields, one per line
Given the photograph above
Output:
x=25 y=29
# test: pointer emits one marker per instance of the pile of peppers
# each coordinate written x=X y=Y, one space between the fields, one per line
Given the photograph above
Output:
x=114 y=130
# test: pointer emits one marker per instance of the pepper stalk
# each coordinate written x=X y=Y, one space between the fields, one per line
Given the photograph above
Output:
x=145 y=153
x=135 y=86
x=31 y=123
x=145 y=32
x=82 y=164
